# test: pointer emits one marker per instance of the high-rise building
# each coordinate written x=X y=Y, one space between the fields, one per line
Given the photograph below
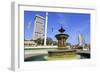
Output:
x=38 y=31
x=81 y=40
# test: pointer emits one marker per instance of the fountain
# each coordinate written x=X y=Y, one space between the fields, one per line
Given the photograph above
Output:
x=62 y=52
x=62 y=38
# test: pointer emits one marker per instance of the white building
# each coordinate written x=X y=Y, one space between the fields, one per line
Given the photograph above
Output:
x=38 y=31
x=81 y=40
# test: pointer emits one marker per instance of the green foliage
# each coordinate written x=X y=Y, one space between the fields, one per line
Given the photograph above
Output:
x=49 y=41
x=55 y=43
x=39 y=41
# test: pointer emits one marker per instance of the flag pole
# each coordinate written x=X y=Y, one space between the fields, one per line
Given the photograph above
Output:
x=46 y=22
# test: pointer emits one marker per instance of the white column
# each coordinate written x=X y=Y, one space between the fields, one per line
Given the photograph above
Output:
x=45 y=35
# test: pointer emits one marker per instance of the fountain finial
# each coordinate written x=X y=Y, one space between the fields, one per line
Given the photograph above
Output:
x=61 y=30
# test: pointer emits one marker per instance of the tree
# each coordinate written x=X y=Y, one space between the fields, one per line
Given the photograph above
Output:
x=39 y=41
x=49 y=41
x=55 y=43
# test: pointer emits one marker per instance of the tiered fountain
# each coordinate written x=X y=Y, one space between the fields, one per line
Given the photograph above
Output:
x=62 y=52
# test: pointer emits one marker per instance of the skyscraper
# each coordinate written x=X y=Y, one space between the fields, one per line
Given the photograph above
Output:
x=38 y=31
x=81 y=40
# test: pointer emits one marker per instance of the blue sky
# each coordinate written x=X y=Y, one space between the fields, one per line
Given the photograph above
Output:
x=73 y=23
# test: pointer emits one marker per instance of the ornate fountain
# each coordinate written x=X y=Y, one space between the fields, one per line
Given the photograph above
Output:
x=62 y=37
x=62 y=52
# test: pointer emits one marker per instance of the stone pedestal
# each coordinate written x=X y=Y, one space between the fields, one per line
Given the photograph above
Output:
x=61 y=40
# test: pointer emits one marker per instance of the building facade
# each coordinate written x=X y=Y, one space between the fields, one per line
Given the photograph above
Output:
x=38 y=31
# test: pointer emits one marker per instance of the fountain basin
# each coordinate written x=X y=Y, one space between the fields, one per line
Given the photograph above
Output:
x=62 y=54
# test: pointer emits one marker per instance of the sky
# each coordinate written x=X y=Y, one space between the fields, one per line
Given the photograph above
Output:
x=73 y=23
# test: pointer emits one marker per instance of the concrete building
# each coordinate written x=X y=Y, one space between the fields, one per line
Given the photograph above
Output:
x=38 y=31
